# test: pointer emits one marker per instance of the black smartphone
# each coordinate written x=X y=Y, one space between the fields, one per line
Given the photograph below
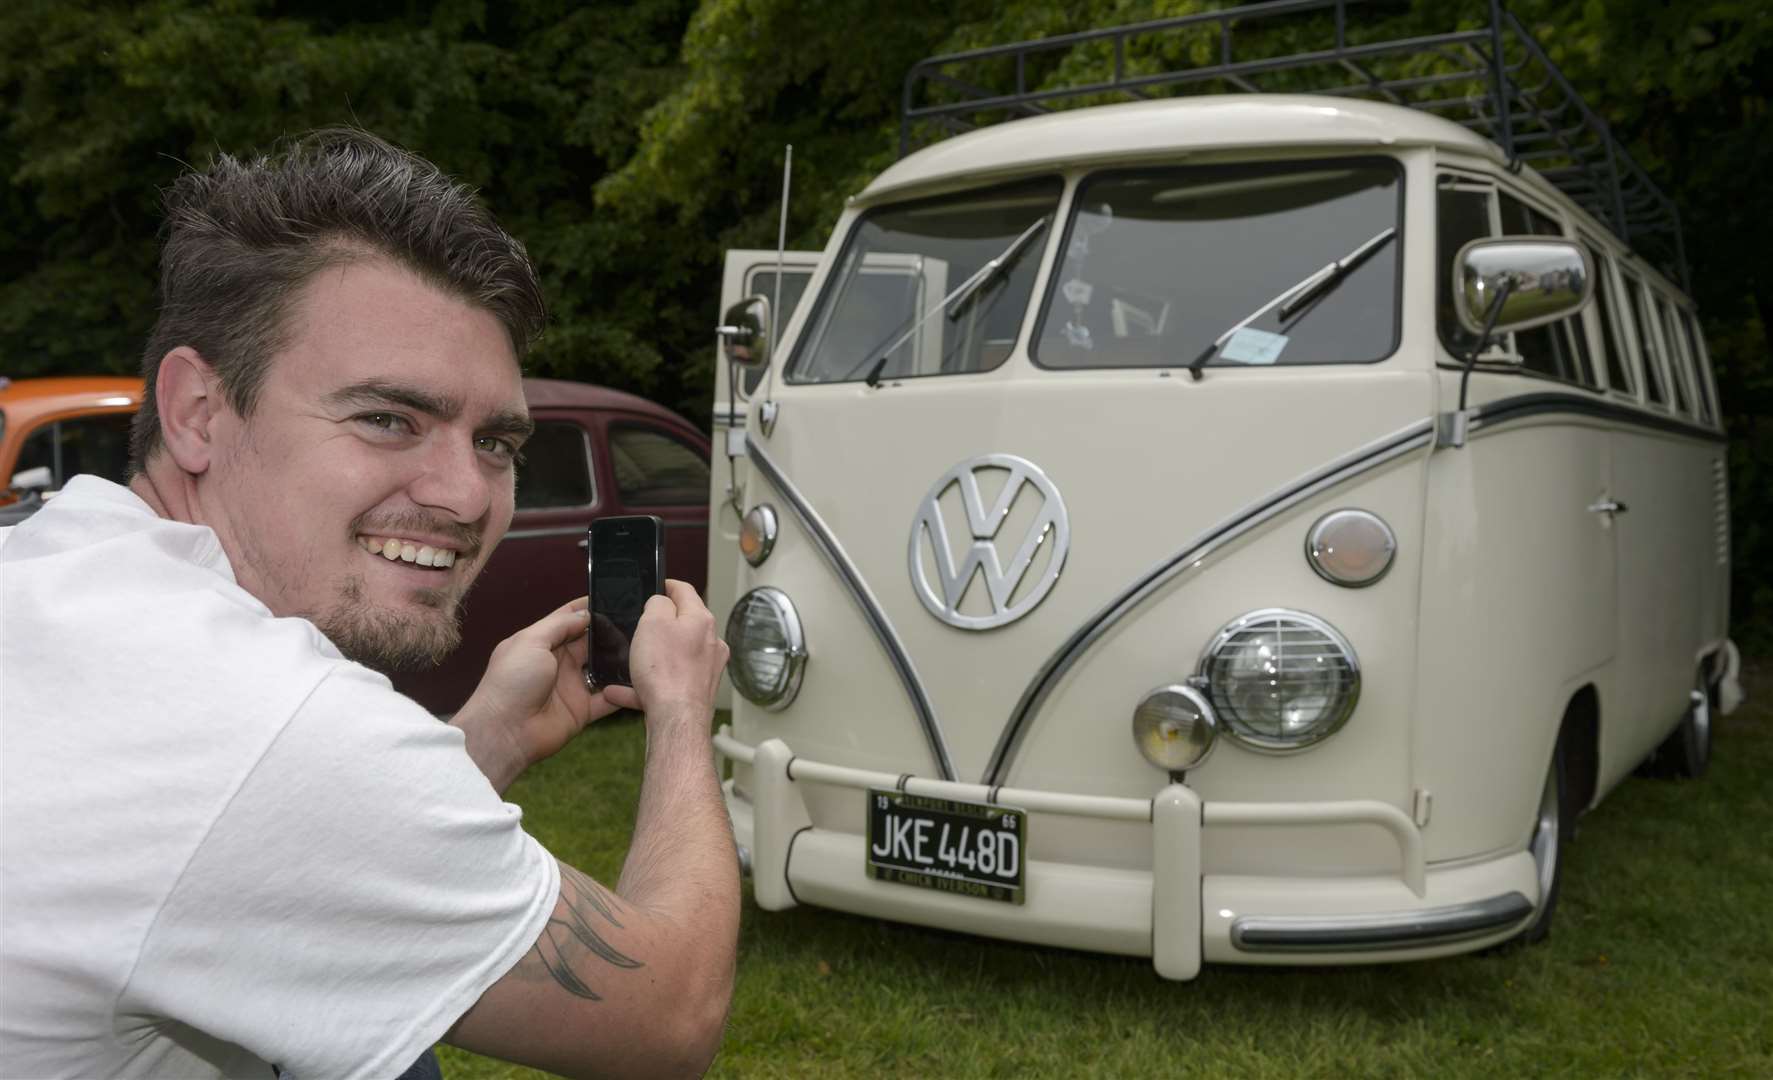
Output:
x=625 y=567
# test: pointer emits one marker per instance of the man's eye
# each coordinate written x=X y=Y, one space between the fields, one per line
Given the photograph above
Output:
x=502 y=448
x=385 y=421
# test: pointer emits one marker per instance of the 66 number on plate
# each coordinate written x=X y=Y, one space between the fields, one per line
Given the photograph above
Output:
x=974 y=849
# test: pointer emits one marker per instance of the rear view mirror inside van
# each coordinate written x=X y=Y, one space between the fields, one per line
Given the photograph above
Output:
x=1535 y=280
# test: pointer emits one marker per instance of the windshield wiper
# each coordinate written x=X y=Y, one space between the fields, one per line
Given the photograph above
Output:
x=959 y=296
x=1295 y=297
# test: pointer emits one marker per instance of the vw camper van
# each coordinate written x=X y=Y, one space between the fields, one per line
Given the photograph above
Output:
x=1243 y=527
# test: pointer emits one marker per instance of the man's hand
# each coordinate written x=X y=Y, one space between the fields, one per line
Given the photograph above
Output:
x=533 y=698
x=675 y=660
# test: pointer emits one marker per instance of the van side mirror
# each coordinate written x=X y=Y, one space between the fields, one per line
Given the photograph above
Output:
x=1535 y=280
x=28 y=480
x=745 y=333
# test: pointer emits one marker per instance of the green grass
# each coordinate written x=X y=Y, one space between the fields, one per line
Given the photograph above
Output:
x=1660 y=964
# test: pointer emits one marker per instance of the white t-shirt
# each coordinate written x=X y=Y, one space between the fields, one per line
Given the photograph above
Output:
x=222 y=845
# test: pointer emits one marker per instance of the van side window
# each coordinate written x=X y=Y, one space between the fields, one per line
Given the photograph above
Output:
x=1677 y=361
x=1701 y=367
x=1646 y=330
x=654 y=469
x=1618 y=364
x=556 y=468
x=1558 y=349
x=1462 y=215
x=794 y=284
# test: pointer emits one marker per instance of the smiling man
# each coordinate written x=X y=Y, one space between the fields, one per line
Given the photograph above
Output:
x=230 y=847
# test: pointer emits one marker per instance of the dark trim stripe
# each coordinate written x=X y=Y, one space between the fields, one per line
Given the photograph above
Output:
x=846 y=571
x=1416 y=436
x=1524 y=406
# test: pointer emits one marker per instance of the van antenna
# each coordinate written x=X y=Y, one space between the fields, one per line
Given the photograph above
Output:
x=769 y=375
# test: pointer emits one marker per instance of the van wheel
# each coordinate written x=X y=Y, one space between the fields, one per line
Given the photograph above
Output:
x=1553 y=828
x=1686 y=753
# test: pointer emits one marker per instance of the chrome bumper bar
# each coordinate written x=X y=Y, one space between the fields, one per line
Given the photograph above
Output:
x=1366 y=933
x=779 y=818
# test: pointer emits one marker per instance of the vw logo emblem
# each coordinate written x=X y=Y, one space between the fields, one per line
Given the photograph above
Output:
x=977 y=542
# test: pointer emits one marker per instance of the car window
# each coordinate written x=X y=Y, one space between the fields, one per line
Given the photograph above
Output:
x=1677 y=362
x=877 y=312
x=1462 y=215
x=1558 y=349
x=556 y=468
x=1648 y=347
x=793 y=288
x=1696 y=349
x=656 y=469
x=1208 y=265
x=1618 y=364
x=95 y=445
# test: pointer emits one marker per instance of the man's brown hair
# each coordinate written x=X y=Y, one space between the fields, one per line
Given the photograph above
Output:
x=243 y=237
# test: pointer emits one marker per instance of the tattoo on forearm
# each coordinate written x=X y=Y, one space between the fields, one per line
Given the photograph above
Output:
x=572 y=937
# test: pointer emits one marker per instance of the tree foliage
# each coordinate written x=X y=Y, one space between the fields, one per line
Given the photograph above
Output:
x=628 y=144
x=531 y=101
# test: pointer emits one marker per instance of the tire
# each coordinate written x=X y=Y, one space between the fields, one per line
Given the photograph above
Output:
x=1686 y=753
x=1554 y=826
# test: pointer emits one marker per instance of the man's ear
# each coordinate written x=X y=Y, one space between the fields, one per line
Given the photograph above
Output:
x=188 y=396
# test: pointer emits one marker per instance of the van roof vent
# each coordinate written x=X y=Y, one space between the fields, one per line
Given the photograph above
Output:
x=1309 y=47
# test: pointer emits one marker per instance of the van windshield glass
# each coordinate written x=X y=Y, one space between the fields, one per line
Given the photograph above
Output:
x=1163 y=266
x=874 y=315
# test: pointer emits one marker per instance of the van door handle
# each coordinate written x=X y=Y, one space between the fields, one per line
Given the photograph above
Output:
x=1608 y=507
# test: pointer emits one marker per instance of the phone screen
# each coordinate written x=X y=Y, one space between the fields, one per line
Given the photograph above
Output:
x=626 y=568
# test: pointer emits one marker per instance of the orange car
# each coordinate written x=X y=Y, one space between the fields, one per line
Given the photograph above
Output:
x=52 y=428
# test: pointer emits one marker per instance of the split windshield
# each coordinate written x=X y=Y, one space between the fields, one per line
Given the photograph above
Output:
x=876 y=314
x=1216 y=266
x=1228 y=266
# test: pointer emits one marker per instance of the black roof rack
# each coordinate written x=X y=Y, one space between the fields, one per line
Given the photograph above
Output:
x=1464 y=76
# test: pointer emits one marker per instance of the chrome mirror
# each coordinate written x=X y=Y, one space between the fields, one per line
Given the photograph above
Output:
x=745 y=333
x=1534 y=280
x=37 y=479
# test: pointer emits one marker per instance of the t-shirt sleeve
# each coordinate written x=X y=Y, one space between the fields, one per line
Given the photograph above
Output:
x=359 y=892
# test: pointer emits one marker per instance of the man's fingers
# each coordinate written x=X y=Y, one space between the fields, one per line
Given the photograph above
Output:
x=576 y=649
x=660 y=607
x=560 y=626
x=622 y=697
x=683 y=595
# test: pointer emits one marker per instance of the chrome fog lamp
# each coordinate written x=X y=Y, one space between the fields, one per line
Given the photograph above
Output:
x=1174 y=727
x=757 y=533
x=1281 y=680
x=1350 y=547
x=769 y=650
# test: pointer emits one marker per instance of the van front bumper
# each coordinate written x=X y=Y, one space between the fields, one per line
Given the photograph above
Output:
x=1173 y=912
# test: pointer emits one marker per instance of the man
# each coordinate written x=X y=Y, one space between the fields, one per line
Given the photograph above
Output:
x=229 y=846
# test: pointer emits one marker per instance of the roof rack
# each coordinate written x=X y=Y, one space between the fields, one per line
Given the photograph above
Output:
x=1465 y=76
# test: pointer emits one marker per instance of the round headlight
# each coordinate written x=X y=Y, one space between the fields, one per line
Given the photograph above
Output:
x=757 y=533
x=769 y=650
x=1281 y=680
x=1350 y=547
x=1174 y=727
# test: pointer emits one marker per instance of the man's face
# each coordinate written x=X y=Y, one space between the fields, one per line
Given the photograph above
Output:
x=382 y=440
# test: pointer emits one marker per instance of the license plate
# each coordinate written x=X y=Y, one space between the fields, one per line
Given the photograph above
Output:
x=974 y=849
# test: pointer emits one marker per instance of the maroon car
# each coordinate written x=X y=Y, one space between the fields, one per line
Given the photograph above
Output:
x=595 y=452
